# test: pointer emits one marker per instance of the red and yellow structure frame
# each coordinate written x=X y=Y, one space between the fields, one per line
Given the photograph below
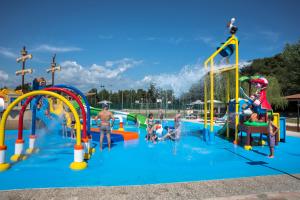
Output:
x=77 y=164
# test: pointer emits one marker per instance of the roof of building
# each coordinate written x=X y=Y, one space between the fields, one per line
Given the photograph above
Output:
x=293 y=97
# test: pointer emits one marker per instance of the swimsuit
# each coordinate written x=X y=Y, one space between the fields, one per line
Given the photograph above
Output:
x=271 y=140
x=104 y=129
x=150 y=123
x=272 y=137
x=177 y=123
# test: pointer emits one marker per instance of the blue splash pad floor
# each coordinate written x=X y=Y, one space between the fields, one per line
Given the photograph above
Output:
x=139 y=162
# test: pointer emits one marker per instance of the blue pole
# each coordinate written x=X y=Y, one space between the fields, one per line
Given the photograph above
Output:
x=88 y=111
x=211 y=137
x=205 y=134
x=33 y=119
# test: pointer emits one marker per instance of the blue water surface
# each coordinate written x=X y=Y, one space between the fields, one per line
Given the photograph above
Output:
x=139 y=162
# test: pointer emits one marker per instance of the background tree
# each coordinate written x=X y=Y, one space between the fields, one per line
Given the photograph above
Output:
x=27 y=87
x=285 y=67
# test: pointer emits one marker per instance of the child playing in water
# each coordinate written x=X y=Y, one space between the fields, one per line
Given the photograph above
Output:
x=177 y=119
x=150 y=124
x=173 y=134
x=161 y=115
x=272 y=129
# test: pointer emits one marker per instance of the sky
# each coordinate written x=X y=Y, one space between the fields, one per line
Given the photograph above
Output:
x=129 y=44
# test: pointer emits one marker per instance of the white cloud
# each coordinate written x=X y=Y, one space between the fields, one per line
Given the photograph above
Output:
x=150 y=38
x=49 y=48
x=110 y=73
x=182 y=81
x=206 y=40
x=176 y=40
x=3 y=76
x=270 y=35
x=8 y=80
x=105 y=37
x=86 y=78
x=8 y=53
x=179 y=82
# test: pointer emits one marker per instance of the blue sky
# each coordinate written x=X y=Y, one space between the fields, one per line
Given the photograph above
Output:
x=127 y=44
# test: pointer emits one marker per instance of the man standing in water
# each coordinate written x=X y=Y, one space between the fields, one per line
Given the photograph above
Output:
x=160 y=115
x=177 y=119
x=105 y=126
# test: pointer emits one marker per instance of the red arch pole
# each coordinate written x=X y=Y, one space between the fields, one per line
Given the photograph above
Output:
x=56 y=89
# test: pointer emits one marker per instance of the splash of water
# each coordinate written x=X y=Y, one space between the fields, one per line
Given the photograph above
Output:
x=182 y=81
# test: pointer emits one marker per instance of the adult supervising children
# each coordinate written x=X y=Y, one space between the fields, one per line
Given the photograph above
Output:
x=177 y=119
x=105 y=116
x=161 y=115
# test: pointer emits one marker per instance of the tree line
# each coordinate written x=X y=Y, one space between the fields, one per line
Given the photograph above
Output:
x=152 y=97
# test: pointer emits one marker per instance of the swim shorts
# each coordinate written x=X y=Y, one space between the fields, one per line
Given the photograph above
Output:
x=105 y=129
x=271 y=140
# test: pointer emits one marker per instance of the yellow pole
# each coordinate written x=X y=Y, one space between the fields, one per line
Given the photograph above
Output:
x=229 y=41
x=227 y=100
x=205 y=100
x=35 y=93
x=236 y=88
x=211 y=96
x=232 y=40
x=276 y=121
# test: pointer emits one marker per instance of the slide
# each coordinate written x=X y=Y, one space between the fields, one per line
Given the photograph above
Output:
x=135 y=118
x=59 y=110
x=50 y=120
x=141 y=119
x=94 y=111
x=2 y=104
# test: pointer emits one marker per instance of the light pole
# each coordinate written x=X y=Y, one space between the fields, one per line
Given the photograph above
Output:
x=158 y=102
x=110 y=93
x=122 y=99
x=166 y=102
x=141 y=104
x=147 y=103
x=131 y=99
x=102 y=86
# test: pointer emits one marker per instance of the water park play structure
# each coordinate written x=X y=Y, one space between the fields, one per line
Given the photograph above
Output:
x=85 y=137
x=42 y=97
x=235 y=110
x=255 y=106
x=78 y=148
x=233 y=44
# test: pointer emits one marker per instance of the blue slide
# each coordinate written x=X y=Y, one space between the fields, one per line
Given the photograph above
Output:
x=52 y=121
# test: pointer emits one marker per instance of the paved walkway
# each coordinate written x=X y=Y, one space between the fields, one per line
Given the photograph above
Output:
x=293 y=133
x=266 y=187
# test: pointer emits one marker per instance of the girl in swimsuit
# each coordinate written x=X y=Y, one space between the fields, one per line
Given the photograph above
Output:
x=150 y=124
